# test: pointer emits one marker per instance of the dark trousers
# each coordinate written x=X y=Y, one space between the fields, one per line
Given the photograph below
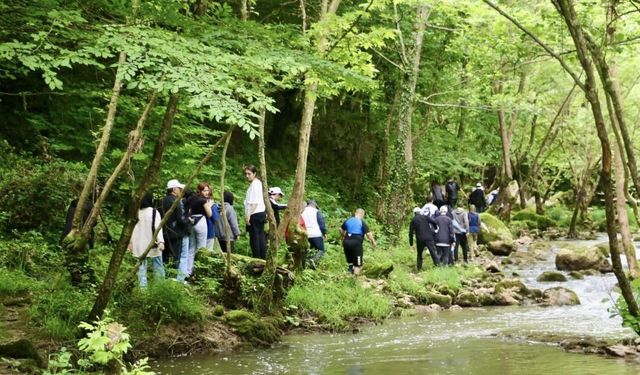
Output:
x=431 y=247
x=223 y=245
x=172 y=250
x=257 y=237
x=442 y=254
x=461 y=240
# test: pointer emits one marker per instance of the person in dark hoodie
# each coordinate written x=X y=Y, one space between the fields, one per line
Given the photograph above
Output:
x=462 y=219
x=445 y=236
x=421 y=227
x=232 y=220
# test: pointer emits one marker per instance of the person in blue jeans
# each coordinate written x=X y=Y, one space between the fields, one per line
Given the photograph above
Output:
x=198 y=208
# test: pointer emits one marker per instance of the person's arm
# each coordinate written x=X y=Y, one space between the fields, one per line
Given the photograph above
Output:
x=343 y=231
x=207 y=207
x=321 y=224
x=411 y=231
x=160 y=237
x=232 y=218
x=452 y=235
x=371 y=239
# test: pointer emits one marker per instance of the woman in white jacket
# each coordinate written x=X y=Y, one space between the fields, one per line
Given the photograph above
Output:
x=148 y=221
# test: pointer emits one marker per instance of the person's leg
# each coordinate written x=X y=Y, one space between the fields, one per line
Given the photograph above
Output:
x=465 y=247
x=210 y=243
x=476 y=251
x=432 y=252
x=142 y=274
x=318 y=243
x=358 y=260
x=167 y=254
x=252 y=240
x=455 y=248
x=262 y=236
x=347 y=256
x=419 y=249
x=257 y=236
x=158 y=268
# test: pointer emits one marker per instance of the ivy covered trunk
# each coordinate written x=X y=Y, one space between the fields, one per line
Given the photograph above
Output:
x=398 y=192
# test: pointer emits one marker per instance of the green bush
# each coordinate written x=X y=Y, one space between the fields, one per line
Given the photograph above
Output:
x=29 y=252
x=15 y=283
x=162 y=302
x=36 y=195
x=57 y=313
x=533 y=220
x=560 y=214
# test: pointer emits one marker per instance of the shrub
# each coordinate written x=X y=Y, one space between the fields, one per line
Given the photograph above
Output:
x=59 y=312
x=15 y=283
x=29 y=252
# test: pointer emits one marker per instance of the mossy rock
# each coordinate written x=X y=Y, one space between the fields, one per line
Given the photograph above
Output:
x=603 y=247
x=512 y=284
x=441 y=300
x=377 y=270
x=577 y=275
x=259 y=331
x=560 y=296
x=21 y=349
x=467 y=298
x=496 y=230
x=580 y=258
x=551 y=276
x=533 y=220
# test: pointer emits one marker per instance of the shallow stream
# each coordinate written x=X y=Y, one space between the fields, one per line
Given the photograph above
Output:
x=470 y=341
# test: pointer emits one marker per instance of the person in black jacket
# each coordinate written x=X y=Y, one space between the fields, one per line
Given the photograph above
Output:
x=421 y=227
x=452 y=188
x=477 y=198
x=176 y=226
x=445 y=236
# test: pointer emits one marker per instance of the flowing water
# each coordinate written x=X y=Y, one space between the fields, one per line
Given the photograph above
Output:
x=471 y=341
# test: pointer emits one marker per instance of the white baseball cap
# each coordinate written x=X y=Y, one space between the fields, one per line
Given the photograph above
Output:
x=417 y=209
x=275 y=190
x=444 y=209
x=174 y=184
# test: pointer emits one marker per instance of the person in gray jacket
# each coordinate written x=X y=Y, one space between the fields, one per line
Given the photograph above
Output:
x=232 y=219
x=445 y=237
x=460 y=216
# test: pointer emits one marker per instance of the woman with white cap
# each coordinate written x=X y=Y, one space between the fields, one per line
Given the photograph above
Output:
x=275 y=194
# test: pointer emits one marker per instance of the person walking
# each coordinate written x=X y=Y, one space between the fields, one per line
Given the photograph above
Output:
x=198 y=208
x=421 y=227
x=452 y=188
x=275 y=194
x=352 y=234
x=437 y=194
x=445 y=237
x=477 y=198
x=176 y=226
x=475 y=225
x=232 y=221
x=255 y=213
x=429 y=209
x=460 y=216
x=316 y=229
x=142 y=235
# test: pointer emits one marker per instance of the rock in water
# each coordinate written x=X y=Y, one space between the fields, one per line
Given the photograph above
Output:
x=260 y=331
x=581 y=259
x=560 y=296
x=551 y=276
x=492 y=267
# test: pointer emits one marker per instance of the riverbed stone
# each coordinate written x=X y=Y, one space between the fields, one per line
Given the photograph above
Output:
x=427 y=309
x=492 y=267
x=500 y=247
x=512 y=284
x=495 y=230
x=508 y=298
x=441 y=300
x=577 y=259
x=551 y=276
x=603 y=247
x=619 y=350
x=560 y=296
x=577 y=275
x=467 y=298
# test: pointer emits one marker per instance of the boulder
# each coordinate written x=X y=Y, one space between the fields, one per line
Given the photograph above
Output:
x=428 y=309
x=603 y=247
x=377 y=270
x=512 y=284
x=439 y=299
x=500 y=248
x=259 y=331
x=467 y=298
x=485 y=296
x=495 y=230
x=551 y=276
x=578 y=259
x=508 y=298
x=560 y=296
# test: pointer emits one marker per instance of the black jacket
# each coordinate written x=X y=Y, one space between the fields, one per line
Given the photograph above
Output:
x=421 y=226
x=176 y=226
x=445 y=230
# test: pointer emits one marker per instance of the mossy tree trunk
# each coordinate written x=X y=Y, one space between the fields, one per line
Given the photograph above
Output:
x=398 y=192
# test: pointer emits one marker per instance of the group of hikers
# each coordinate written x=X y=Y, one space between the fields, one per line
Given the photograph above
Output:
x=197 y=221
x=443 y=226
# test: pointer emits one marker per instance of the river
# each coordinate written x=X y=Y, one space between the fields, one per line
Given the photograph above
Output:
x=469 y=341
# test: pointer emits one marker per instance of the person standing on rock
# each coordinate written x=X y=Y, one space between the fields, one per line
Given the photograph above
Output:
x=275 y=194
x=226 y=244
x=176 y=226
x=421 y=227
x=142 y=236
x=255 y=213
x=352 y=233
x=445 y=237
x=475 y=224
x=452 y=188
x=460 y=216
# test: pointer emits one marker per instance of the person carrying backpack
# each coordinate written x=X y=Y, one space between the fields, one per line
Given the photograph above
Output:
x=148 y=220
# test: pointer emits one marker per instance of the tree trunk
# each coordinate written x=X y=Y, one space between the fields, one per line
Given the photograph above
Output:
x=621 y=204
x=295 y=202
x=104 y=294
x=225 y=222
x=398 y=190
x=573 y=233
x=567 y=11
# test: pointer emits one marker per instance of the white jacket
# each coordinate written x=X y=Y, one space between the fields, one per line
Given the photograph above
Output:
x=310 y=217
x=142 y=234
